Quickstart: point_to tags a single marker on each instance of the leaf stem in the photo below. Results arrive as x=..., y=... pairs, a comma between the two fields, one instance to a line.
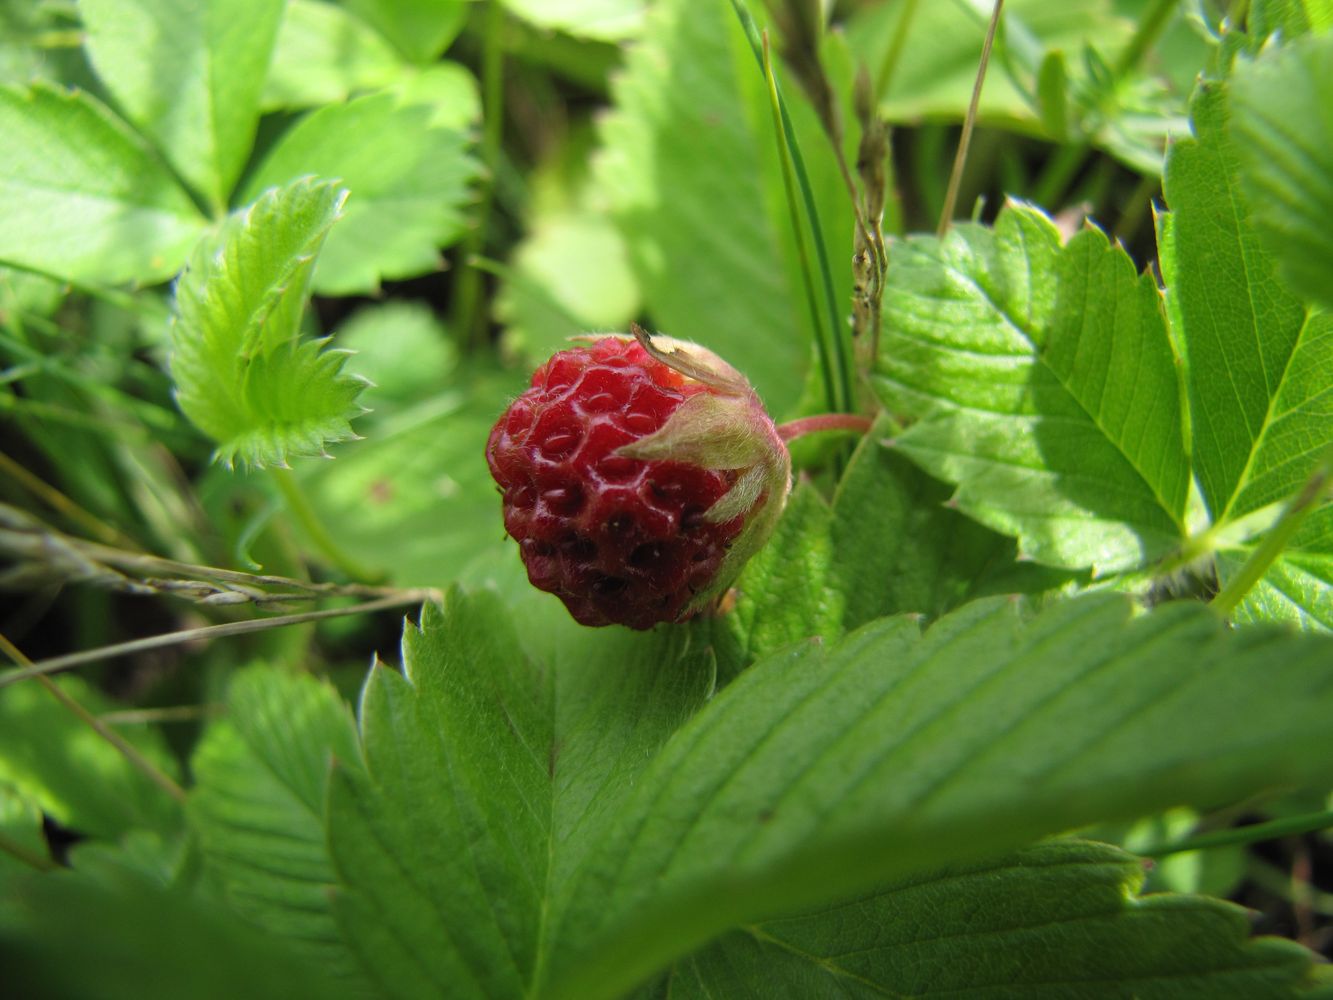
x=854, y=422
x=1276, y=539
x=467, y=305
x=299, y=506
x=126, y=749
x=1252, y=834
x=965, y=140
x=58, y=664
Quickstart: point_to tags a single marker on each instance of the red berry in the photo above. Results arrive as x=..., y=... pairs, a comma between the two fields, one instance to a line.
x=620, y=540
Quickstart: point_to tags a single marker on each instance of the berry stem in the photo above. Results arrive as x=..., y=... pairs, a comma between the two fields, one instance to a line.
x=794, y=429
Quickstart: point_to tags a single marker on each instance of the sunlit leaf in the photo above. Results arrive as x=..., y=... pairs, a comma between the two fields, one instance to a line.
x=407, y=183
x=243, y=374
x=1044, y=386
x=189, y=75
x=1258, y=362
x=116, y=215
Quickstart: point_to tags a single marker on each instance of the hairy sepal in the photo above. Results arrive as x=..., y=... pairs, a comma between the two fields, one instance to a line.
x=727, y=432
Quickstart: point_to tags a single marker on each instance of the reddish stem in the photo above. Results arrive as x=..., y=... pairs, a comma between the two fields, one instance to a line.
x=793, y=429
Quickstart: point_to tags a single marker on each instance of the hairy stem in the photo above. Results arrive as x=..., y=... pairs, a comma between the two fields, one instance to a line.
x=1276, y=538
x=854, y=422
x=300, y=508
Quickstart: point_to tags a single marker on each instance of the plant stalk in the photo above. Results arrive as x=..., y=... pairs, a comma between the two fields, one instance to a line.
x=300, y=508
x=969, y=123
x=853, y=422
x=126, y=749
x=1252, y=834
x=1275, y=539
x=68, y=661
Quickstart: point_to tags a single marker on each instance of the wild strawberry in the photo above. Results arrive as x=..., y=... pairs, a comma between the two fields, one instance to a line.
x=638, y=476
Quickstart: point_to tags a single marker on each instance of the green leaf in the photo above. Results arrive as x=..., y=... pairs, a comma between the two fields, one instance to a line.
x=323, y=54
x=401, y=348
x=1058, y=920
x=407, y=182
x=189, y=76
x=20, y=825
x=1283, y=132
x=415, y=498
x=604, y=20
x=1258, y=362
x=258, y=805
x=1299, y=587
x=1291, y=17
x=71, y=937
x=242, y=374
x=420, y=29
x=690, y=168
x=488, y=774
x=1045, y=388
x=52, y=758
x=82, y=197
x=938, y=61
x=886, y=545
x=818, y=773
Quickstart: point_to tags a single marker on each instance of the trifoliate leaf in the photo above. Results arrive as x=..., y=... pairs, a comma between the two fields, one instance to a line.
x=242, y=373
x=1258, y=362
x=258, y=806
x=1061, y=920
x=1283, y=132
x=407, y=184
x=189, y=75
x=1044, y=386
x=82, y=197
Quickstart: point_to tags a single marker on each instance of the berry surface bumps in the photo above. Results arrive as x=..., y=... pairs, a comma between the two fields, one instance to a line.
x=619, y=540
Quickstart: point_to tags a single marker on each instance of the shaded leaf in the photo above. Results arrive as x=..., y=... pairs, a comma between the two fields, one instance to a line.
x=1258, y=362
x=115, y=214
x=1045, y=388
x=242, y=374
x=1061, y=920
x=448, y=854
x=66, y=936
x=52, y=758
x=407, y=182
x=817, y=773
x=258, y=805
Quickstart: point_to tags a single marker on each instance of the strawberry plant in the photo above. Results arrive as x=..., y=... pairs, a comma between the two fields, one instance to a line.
x=979, y=600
